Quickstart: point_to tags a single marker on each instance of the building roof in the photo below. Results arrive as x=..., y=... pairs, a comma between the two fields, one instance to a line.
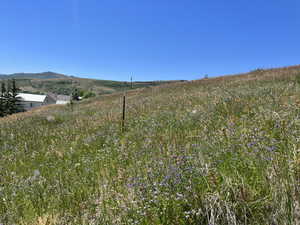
x=31, y=97
x=52, y=95
x=63, y=98
x=60, y=97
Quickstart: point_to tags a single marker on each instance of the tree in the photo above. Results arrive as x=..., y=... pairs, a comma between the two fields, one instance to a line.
x=9, y=104
x=2, y=100
x=75, y=94
x=6, y=98
x=9, y=100
x=15, y=105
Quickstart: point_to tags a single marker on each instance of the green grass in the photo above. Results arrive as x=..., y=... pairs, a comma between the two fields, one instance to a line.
x=216, y=151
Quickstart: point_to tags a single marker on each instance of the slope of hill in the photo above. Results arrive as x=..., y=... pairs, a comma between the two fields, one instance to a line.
x=45, y=75
x=213, y=151
x=62, y=84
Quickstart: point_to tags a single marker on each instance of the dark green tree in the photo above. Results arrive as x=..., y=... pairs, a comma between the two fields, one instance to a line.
x=9, y=101
x=6, y=98
x=15, y=101
x=75, y=94
x=2, y=100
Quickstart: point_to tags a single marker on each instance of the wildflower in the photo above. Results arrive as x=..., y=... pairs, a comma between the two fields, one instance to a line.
x=36, y=173
x=251, y=144
x=271, y=149
x=50, y=118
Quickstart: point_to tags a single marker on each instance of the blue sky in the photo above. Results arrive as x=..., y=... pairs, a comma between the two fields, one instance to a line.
x=149, y=40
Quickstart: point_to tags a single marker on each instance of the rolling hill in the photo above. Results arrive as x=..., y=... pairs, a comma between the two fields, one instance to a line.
x=45, y=75
x=41, y=83
x=222, y=150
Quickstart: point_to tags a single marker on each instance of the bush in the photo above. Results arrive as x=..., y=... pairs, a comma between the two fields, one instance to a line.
x=89, y=94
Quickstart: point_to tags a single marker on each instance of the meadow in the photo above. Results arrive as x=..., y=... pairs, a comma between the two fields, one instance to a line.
x=213, y=151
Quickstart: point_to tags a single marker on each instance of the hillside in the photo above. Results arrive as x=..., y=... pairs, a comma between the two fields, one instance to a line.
x=45, y=75
x=41, y=83
x=223, y=150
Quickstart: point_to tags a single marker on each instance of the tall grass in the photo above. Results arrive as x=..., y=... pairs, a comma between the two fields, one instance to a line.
x=216, y=151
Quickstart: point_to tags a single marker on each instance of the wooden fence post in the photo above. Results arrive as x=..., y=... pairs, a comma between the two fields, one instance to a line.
x=124, y=112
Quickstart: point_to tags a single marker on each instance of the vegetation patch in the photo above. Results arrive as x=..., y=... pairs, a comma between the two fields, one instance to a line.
x=213, y=151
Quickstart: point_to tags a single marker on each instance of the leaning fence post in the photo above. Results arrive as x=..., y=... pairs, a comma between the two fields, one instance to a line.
x=124, y=112
x=71, y=105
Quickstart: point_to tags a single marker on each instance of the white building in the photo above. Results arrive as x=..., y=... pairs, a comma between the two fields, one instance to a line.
x=30, y=101
x=63, y=99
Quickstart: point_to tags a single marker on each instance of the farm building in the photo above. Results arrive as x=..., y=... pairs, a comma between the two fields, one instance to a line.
x=30, y=101
x=60, y=99
x=63, y=99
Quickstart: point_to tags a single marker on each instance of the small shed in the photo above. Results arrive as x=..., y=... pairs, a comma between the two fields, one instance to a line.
x=63, y=99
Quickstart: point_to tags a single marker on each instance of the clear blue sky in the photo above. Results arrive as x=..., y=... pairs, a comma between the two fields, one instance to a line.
x=149, y=39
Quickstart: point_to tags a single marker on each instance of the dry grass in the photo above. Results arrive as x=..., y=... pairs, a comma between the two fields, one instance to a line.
x=213, y=151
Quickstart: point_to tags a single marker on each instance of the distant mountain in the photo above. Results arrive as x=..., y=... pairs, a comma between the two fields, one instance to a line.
x=50, y=82
x=45, y=75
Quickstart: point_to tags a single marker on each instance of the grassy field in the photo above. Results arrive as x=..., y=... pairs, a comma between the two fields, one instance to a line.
x=213, y=151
